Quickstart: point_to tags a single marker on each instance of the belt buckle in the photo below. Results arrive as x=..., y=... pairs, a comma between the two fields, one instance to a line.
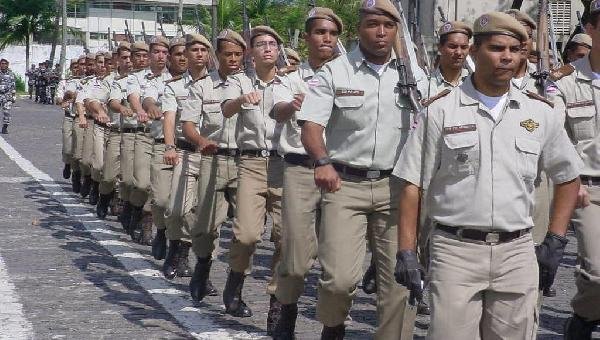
x=231, y=152
x=492, y=238
x=264, y=153
x=373, y=174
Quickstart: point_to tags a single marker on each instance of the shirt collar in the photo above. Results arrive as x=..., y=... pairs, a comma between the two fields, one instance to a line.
x=357, y=58
x=469, y=96
x=584, y=69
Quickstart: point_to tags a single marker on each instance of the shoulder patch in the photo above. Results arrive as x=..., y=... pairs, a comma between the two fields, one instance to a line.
x=562, y=72
x=173, y=79
x=534, y=95
x=430, y=100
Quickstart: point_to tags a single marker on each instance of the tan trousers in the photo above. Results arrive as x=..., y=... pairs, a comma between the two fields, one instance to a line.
x=99, y=144
x=112, y=163
x=260, y=183
x=346, y=215
x=77, y=148
x=88, y=149
x=586, y=221
x=67, y=140
x=481, y=291
x=127, y=155
x=541, y=211
x=218, y=178
x=300, y=215
x=181, y=213
x=161, y=176
x=142, y=162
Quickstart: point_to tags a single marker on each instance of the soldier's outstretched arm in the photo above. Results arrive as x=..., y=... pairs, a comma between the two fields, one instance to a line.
x=326, y=177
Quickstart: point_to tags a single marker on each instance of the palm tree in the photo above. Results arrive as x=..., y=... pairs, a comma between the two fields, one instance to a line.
x=20, y=19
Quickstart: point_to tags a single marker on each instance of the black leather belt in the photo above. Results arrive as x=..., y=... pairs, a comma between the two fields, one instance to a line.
x=185, y=145
x=300, y=160
x=483, y=236
x=68, y=114
x=259, y=153
x=129, y=130
x=144, y=129
x=227, y=152
x=159, y=140
x=362, y=173
x=589, y=180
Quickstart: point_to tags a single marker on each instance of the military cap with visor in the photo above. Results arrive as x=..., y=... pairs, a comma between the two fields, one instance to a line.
x=265, y=30
x=326, y=14
x=455, y=27
x=232, y=36
x=381, y=7
x=196, y=38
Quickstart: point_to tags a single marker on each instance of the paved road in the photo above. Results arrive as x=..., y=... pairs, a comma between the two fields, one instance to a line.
x=66, y=275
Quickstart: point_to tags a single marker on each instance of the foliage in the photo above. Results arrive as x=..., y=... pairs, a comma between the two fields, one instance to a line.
x=21, y=18
x=20, y=83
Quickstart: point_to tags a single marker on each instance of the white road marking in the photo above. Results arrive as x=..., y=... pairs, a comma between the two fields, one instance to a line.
x=13, y=324
x=199, y=324
x=15, y=179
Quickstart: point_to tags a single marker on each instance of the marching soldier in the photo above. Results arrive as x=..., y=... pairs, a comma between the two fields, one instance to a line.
x=31, y=80
x=448, y=156
x=453, y=49
x=137, y=84
x=215, y=139
x=301, y=200
x=579, y=47
x=7, y=93
x=129, y=129
x=353, y=101
x=78, y=131
x=260, y=166
x=65, y=97
x=118, y=114
x=577, y=98
x=170, y=225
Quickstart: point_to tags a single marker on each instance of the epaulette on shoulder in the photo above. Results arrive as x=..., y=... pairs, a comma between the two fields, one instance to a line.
x=430, y=100
x=562, y=72
x=173, y=79
x=534, y=95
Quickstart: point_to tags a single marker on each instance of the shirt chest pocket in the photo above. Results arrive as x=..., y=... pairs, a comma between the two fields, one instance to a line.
x=462, y=155
x=212, y=114
x=352, y=115
x=582, y=121
x=528, y=153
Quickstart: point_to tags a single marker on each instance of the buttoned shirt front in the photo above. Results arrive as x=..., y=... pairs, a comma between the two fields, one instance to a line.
x=255, y=129
x=155, y=89
x=297, y=82
x=578, y=100
x=205, y=98
x=118, y=91
x=100, y=91
x=479, y=172
x=366, y=119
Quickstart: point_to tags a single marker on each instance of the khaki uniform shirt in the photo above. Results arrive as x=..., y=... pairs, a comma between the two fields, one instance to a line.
x=366, y=121
x=290, y=85
x=118, y=91
x=155, y=89
x=86, y=83
x=207, y=93
x=176, y=92
x=437, y=83
x=69, y=85
x=479, y=173
x=255, y=129
x=578, y=100
x=100, y=91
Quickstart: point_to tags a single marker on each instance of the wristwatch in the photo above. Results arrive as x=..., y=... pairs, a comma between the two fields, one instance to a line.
x=170, y=147
x=322, y=161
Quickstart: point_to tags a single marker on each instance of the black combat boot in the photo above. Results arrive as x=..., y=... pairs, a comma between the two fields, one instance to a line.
x=333, y=333
x=145, y=236
x=102, y=207
x=67, y=171
x=232, y=296
x=286, y=326
x=125, y=216
x=576, y=328
x=199, y=282
x=549, y=292
x=159, y=245
x=210, y=289
x=93, y=197
x=5, y=129
x=86, y=186
x=183, y=265
x=171, y=262
x=273, y=315
x=76, y=181
x=369, y=281
x=423, y=308
x=135, y=223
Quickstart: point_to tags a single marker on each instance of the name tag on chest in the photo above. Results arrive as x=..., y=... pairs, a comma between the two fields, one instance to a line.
x=349, y=93
x=580, y=104
x=449, y=130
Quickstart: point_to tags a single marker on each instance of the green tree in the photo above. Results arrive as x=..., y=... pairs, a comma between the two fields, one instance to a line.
x=21, y=19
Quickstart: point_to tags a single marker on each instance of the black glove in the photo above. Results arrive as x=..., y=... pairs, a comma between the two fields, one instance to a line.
x=548, y=255
x=410, y=273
